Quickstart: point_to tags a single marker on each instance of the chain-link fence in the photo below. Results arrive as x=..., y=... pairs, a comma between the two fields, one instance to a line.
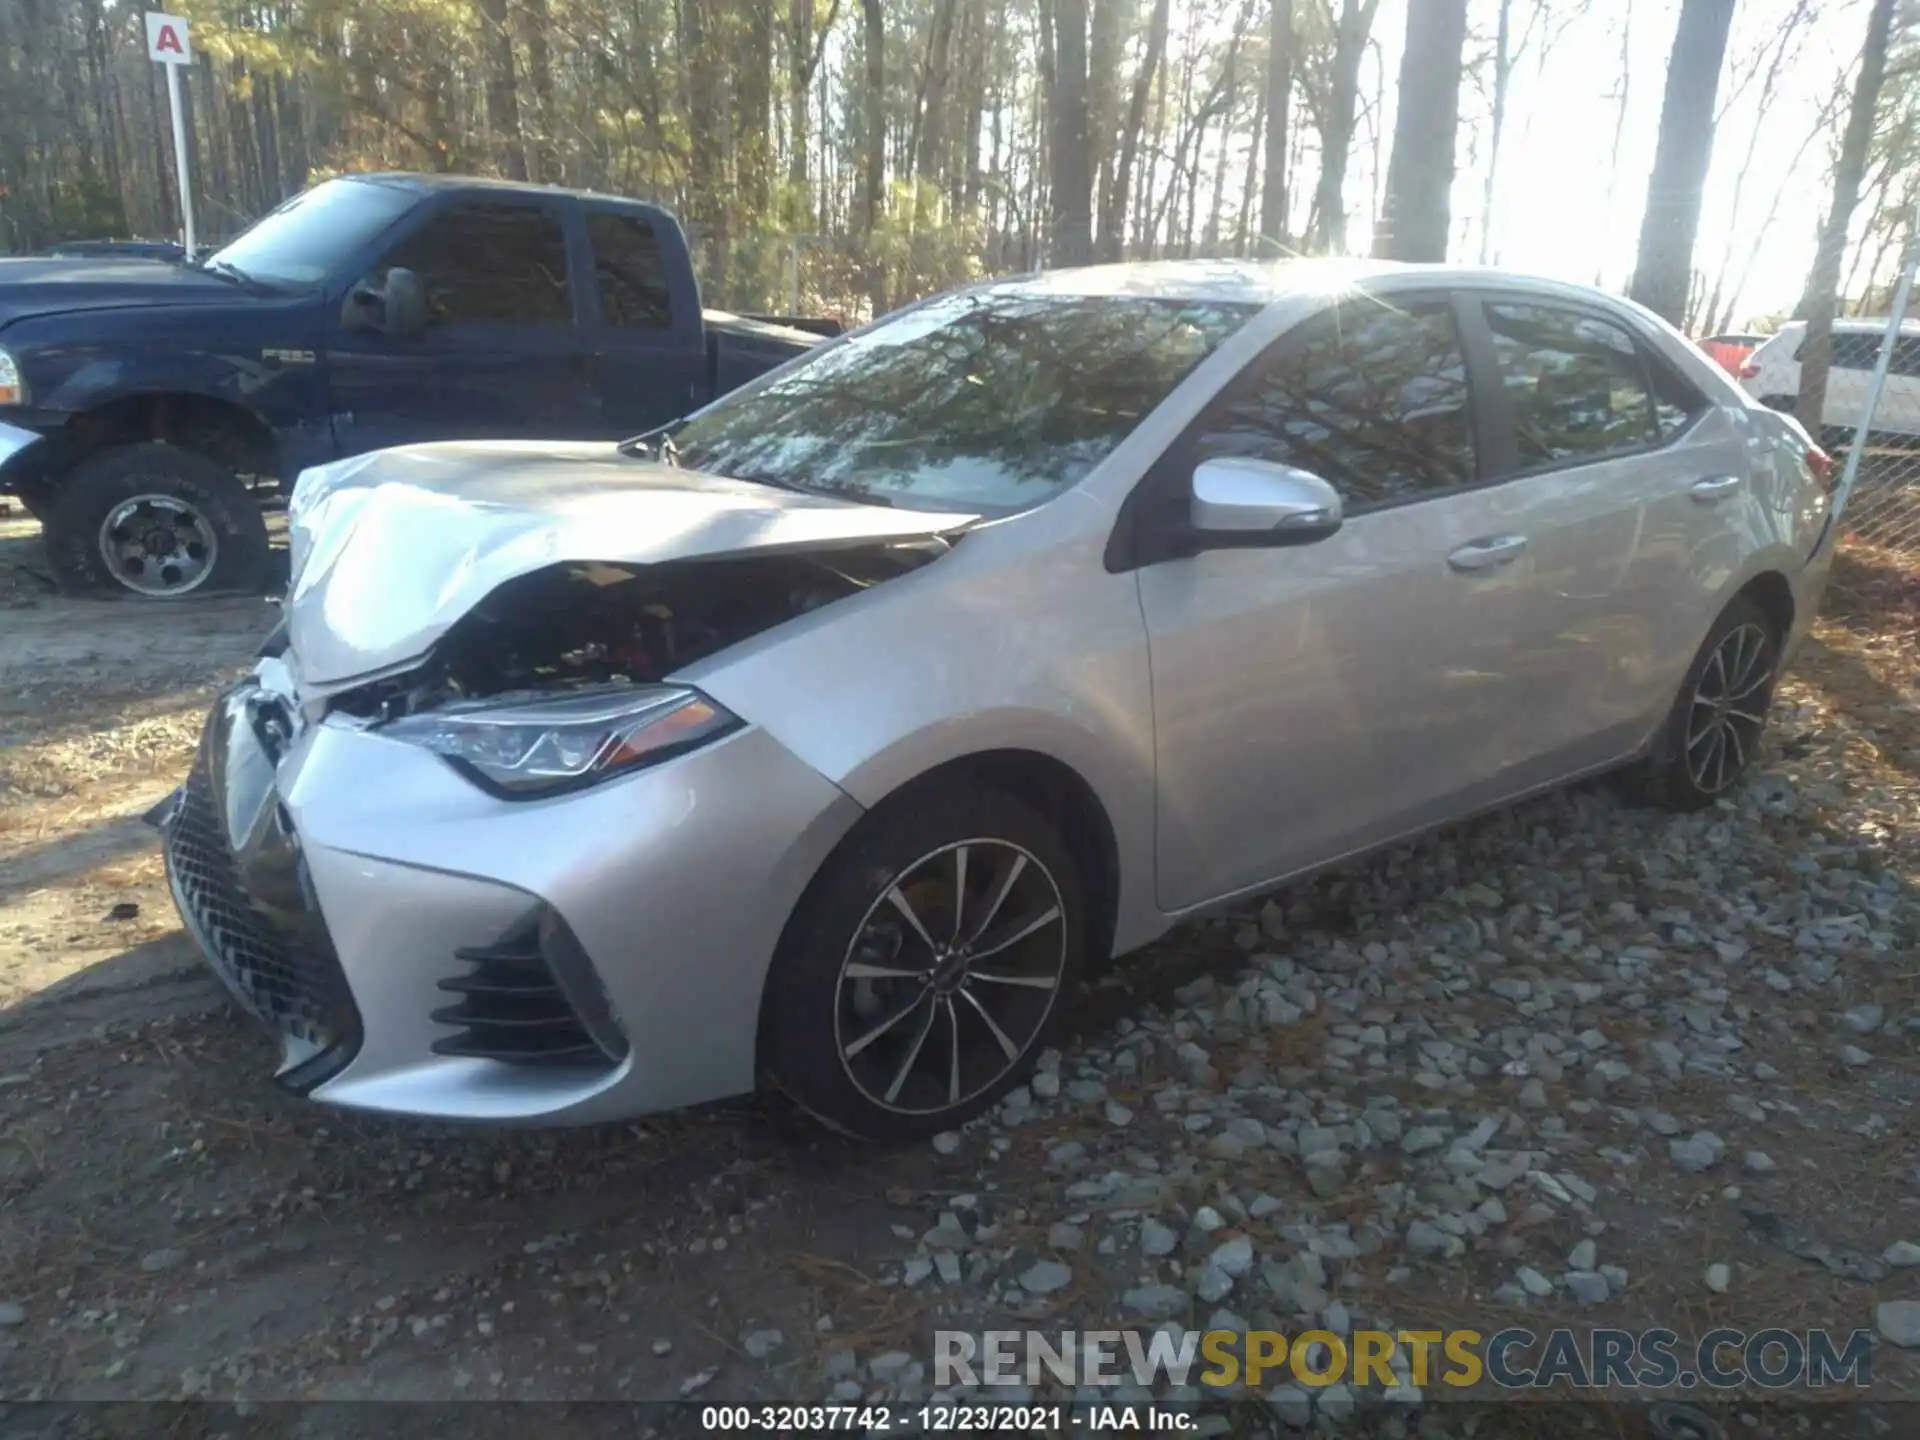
x=1872, y=416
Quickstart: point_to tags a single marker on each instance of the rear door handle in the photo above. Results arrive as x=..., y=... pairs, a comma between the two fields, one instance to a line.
x=1489, y=552
x=1717, y=487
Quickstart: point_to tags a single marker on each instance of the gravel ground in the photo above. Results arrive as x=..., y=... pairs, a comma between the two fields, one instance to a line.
x=1574, y=1064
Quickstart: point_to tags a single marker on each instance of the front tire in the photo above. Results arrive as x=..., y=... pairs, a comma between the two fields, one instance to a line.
x=156, y=522
x=1713, y=731
x=926, y=966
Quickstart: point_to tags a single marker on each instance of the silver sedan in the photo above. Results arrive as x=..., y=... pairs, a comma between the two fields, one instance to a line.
x=825, y=738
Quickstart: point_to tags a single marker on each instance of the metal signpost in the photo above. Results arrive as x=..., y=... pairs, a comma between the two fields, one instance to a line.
x=167, y=44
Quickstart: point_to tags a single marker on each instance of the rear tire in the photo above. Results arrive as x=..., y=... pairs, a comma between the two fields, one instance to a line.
x=890, y=1022
x=157, y=522
x=1714, y=730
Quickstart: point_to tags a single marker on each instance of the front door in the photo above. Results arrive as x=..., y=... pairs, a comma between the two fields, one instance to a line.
x=1315, y=700
x=503, y=355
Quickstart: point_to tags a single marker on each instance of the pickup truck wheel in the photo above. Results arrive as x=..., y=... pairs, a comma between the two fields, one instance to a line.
x=158, y=522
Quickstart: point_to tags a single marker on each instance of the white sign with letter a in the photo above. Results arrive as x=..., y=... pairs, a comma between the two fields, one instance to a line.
x=167, y=39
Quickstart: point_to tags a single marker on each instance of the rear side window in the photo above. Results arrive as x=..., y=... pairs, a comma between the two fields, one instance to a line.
x=1578, y=387
x=1372, y=400
x=490, y=264
x=628, y=272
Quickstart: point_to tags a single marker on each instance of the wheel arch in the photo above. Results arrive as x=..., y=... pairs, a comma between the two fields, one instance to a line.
x=1773, y=593
x=1066, y=801
x=222, y=430
x=1062, y=797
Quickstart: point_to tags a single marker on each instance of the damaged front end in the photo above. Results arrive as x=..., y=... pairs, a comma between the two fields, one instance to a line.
x=559, y=678
x=585, y=627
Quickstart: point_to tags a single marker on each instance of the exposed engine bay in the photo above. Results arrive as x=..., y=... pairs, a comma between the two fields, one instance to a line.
x=588, y=623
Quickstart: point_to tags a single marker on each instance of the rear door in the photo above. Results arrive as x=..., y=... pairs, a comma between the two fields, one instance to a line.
x=647, y=340
x=504, y=354
x=1626, y=483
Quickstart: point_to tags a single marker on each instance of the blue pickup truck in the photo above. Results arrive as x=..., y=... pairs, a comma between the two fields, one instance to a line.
x=147, y=408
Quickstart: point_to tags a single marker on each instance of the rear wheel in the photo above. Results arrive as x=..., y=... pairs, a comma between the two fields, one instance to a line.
x=926, y=966
x=155, y=521
x=1713, y=731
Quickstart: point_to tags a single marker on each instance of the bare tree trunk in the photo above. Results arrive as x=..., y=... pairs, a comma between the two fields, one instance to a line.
x=799, y=80
x=544, y=147
x=503, y=106
x=1113, y=223
x=1069, y=174
x=1663, y=271
x=1817, y=305
x=753, y=108
x=1279, y=98
x=707, y=140
x=1502, y=78
x=874, y=36
x=1250, y=181
x=1336, y=126
x=1416, y=218
x=1103, y=103
x=1230, y=87
x=930, y=164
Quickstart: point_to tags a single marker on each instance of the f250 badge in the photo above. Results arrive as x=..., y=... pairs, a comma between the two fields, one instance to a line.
x=288, y=357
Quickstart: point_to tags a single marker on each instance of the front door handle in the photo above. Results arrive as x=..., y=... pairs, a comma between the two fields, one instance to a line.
x=1489, y=552
x=1717, y=487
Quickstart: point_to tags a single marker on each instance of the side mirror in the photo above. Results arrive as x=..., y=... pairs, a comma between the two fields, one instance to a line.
x=406, y=304
x=399, y=308
x=1259, y=503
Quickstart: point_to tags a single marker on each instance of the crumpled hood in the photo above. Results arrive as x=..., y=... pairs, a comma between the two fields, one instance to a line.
x=49, y=286
x=390, y=549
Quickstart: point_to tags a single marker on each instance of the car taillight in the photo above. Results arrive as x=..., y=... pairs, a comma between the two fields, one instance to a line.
x=1821, y=464
x=1748, y=370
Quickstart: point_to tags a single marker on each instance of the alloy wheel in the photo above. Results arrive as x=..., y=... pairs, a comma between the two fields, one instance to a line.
x=950, y=976
x=158, y=545
x=1728, y=708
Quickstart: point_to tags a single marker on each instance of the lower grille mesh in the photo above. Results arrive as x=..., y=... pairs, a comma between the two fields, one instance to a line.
x=283, y=982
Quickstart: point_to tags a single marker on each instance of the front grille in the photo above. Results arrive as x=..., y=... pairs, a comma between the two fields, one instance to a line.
x=288, y=980
x=531, y=998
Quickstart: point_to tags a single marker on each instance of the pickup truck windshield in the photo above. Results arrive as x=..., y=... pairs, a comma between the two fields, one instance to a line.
x=987, y=401
x=305, y=240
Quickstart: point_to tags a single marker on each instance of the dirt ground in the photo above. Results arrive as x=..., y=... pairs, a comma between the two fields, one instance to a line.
x=173, y=1227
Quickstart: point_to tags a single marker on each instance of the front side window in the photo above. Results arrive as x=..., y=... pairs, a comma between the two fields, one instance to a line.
x=1577, y=384
x=628, y=272
x=489, y=264
x=1373, y=399
x=308, y=238
x=987, y=401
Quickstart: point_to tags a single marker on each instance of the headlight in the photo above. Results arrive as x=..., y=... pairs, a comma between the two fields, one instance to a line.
x=537, y=747
x=13, y=390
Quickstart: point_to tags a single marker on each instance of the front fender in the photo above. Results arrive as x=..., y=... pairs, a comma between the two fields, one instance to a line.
x=269, y=362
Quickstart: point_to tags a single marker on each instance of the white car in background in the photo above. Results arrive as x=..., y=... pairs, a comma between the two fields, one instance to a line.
x=1772, y=375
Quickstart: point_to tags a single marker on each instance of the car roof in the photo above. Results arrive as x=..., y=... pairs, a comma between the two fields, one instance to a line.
x=1263, y=282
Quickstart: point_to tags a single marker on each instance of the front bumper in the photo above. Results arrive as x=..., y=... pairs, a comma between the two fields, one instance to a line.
x=648, y=908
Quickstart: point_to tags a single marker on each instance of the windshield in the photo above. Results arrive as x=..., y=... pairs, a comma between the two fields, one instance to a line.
x=987, y=402
x=309, y=237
